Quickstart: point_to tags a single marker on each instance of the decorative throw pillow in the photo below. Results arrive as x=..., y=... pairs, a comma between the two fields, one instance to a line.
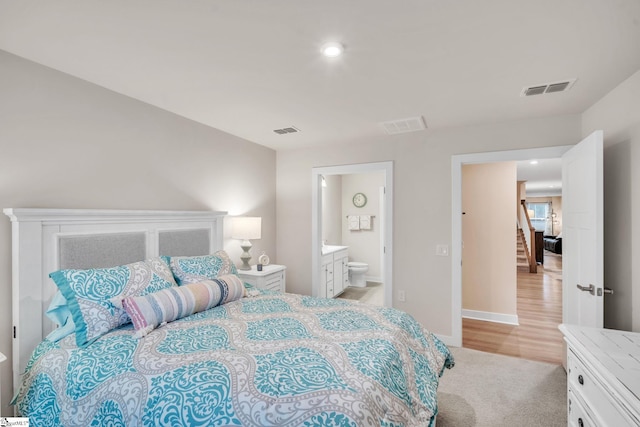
x=149, y=311
x=195, y=269
x=89, y=293
x=60, y=314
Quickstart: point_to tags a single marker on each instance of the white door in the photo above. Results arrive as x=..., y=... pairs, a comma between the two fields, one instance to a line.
x=582, y=233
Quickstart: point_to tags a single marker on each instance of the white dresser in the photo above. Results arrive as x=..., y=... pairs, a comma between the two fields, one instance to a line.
x=603, y=377
x=271, y=277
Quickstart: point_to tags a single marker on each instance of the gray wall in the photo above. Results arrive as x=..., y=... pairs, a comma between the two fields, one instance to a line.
x=422, y=205
x=618, y=114
x=66, y=143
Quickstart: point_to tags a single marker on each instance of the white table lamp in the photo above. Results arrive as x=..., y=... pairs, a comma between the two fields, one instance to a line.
x=246, y=228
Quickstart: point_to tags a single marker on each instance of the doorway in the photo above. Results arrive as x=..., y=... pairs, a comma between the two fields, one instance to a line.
x=383, y=222
x=510, y=307
x=456, y=220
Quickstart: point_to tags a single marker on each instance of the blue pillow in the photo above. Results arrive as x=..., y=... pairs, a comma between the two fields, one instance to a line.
x=58, y=310
x=89, y=294
x=194, y=269
x=60, y=314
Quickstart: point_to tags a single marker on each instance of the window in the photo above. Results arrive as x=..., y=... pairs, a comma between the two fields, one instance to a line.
x=539, y=215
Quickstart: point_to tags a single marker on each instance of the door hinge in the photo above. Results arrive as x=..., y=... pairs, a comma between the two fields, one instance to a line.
x=14, y=331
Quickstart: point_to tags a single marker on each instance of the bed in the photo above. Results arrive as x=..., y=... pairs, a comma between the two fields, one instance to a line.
x=259, y=358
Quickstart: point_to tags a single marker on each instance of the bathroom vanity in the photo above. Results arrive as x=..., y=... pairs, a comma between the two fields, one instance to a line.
x=334, y=272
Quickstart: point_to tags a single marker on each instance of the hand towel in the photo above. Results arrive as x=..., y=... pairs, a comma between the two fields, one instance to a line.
x=365, y=222
x=354, y=222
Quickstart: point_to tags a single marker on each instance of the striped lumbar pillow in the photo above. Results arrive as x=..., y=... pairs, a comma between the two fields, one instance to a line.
x=149, y=311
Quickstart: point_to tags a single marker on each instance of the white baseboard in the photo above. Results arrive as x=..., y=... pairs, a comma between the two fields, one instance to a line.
x=373, y=279
x=509, y=319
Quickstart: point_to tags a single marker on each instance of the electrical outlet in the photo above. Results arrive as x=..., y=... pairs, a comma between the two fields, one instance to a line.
x=442, y=250
x=401, y=296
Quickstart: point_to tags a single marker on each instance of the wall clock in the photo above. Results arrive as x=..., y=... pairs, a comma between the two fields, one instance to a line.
x=359, y=200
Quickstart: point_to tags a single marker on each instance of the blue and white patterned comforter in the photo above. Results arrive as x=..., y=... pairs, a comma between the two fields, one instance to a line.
x=270, y=360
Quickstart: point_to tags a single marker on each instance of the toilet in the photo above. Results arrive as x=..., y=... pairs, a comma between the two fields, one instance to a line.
x=356, y=273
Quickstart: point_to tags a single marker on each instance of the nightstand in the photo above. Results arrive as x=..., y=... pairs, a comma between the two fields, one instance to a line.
x=271, y=277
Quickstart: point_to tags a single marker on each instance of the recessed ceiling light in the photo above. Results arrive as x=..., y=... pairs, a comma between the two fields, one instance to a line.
x=533, y=162
x=332, y=49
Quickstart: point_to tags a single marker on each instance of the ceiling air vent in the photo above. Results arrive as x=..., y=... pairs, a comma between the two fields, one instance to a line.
x=284, y=131
x=536, y=90
x=548, y=88
x=411, y=124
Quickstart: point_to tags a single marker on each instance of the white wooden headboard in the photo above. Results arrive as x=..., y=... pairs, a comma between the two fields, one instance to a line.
x=45, y=240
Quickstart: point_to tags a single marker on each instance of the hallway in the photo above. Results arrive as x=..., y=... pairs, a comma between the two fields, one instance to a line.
x=539, y=314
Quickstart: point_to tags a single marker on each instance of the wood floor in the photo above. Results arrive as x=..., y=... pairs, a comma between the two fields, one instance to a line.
x=539, y=314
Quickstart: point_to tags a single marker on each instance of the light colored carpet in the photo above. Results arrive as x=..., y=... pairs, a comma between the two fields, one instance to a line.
x=485, y=389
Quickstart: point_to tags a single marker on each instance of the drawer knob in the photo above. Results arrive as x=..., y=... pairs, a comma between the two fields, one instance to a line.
x=580, y=422
x=580, y=380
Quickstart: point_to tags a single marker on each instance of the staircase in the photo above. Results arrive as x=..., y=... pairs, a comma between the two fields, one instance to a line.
x=526, y=237
x=522, y=262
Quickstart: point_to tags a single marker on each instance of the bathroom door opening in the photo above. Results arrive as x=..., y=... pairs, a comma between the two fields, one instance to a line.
x=382, y=221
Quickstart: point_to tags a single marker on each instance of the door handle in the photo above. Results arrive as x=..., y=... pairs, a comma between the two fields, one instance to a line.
x=591, y=289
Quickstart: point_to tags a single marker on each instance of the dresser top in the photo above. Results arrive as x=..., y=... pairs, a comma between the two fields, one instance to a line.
x=266, y=269
x=618, y=353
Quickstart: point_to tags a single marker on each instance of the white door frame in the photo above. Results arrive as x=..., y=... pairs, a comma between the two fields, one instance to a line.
x=456, y=217
x=316, y=223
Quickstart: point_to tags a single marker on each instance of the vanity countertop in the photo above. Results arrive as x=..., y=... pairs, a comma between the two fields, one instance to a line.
x=329, y=249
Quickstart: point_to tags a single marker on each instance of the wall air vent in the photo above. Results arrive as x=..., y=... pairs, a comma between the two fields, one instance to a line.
x=411, y=124
x=548, y=88
x=285, y=131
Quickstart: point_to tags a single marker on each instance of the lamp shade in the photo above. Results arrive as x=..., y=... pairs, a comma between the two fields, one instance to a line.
x=246, y=227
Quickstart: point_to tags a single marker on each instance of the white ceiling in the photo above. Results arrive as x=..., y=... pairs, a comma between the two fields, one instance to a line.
x=543, y=179
x=248, y=67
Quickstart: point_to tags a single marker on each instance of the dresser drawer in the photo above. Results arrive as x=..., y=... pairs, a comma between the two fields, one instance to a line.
x=578, y=416
x=589, y=391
